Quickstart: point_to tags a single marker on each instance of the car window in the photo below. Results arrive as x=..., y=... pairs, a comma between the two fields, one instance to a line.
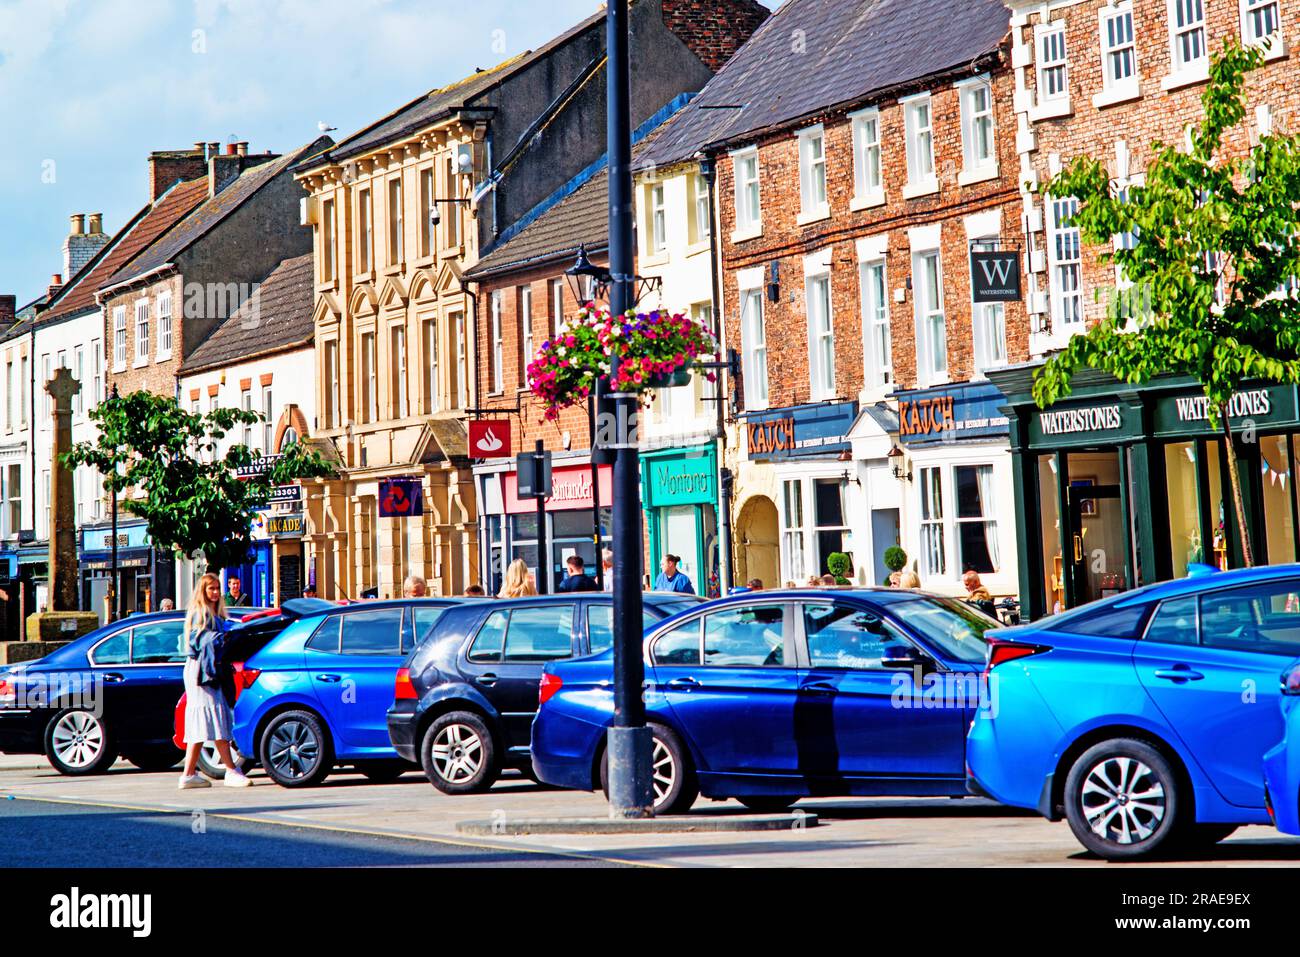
x=681, y=646
x=490, y=637
x=1263, y=617
x=1174, y=622
x=842, y=636
x=115, y=650
x=327, y=636
x=540, y=633
x=953, y=628
x=1104, y=622
x=751, y=637
x=158, y=643
x=424, y=617
x=377, y=632
x=600, y=625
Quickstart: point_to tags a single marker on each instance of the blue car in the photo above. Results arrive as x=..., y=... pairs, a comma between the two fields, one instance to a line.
x=1282, y=763
x=316, y=696
x=1142, y=718
x=771, y=696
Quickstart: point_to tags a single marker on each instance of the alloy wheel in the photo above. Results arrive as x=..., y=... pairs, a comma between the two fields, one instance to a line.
x=294, y=750
x=1123, y=800
x=457, y=753
x=663, y=770
x=78, y=739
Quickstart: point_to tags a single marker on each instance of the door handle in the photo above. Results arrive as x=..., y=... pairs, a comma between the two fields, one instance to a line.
x=488, y=679
x=329, y=679
x=114, y=677
x=1179, y=673
x=682, y=684
x=818, y=687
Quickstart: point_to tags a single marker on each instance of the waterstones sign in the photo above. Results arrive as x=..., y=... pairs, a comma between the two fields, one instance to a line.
x=1101, y=418
x=1265, y=406
x=1196, y=408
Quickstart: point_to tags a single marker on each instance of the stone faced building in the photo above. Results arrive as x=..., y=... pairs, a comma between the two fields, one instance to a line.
x=855, y=168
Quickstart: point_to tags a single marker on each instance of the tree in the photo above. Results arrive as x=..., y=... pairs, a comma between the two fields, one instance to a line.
x=1215, y=258
x=192, y=498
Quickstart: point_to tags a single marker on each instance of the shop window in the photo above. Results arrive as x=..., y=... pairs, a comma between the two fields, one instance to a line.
x=792, y=530
x=829, y=516
x=1278, y=498
x=496, y=545
x=1220, y=555
x=977, y=526
x=933, y=554
x=1186, y=546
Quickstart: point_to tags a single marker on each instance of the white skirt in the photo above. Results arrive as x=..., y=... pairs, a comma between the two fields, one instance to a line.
x=207, y=716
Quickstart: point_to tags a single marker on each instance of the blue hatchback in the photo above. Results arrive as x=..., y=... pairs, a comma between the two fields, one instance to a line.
x=773, y=696
x=1143, y=718
x=316, y=696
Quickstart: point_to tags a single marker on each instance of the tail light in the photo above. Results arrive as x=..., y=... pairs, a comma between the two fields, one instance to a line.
x=1290, y=681
x=550, y=684
x=404, y=690
x=244, y=678
x=8, y=694
x=1000, y=652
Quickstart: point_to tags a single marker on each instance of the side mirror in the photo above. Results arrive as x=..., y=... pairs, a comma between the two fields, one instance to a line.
x=904, y=657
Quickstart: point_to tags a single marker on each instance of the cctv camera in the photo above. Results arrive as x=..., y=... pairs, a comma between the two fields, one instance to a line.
x=435, y=215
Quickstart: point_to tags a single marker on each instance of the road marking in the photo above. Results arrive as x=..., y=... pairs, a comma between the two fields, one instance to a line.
x=392, y=835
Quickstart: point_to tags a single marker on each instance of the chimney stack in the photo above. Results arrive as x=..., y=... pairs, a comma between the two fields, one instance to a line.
x=81, y=245
x=8, y=310
x=56, y=283
x=214, y=149
x=167, y=167
x=224, y=170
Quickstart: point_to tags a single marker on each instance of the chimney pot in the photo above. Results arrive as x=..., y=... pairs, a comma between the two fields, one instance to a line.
x=199, y=148
x=242, y=148
x=96, y=226
x=214, y=149
x=78, y=221
x=231, y=149
x=56, y=280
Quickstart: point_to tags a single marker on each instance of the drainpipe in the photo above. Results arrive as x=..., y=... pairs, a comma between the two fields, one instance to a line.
x=726, y=578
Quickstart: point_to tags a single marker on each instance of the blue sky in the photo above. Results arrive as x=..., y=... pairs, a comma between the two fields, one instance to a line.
x=89, y=87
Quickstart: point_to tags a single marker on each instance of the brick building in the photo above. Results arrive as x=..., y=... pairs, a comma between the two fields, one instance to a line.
x=1107, y=79
x=859, y=155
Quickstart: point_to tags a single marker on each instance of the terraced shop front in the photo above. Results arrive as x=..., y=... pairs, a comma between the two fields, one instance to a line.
x=1119, y=485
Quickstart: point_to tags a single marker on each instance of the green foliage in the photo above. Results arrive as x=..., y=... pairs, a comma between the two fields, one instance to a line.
x=164, y=461
x=838, y=564
x=1215, y=240
x=895, y=558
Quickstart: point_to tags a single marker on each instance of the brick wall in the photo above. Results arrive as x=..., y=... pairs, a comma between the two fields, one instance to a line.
x=153, y=376
x=713, y=30
x=786, y=242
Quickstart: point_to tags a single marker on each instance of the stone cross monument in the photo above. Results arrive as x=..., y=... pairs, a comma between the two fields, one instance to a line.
x=63, y=510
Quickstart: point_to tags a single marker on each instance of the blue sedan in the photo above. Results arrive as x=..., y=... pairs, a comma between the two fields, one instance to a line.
x=1282, y=763
x=1143, y=718
x=768, y=697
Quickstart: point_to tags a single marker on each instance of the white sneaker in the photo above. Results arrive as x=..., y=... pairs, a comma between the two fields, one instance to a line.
x=192, y=781
x=236, y=779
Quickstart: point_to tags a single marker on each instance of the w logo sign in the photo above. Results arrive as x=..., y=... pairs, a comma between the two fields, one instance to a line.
x=995, y=276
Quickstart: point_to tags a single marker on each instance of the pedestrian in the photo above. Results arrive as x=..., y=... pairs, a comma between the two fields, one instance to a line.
x=755, y=584
x=309, y=591
x=814, y=581
x=518, y=583
x=828, y=580
x=576, y=579
x=415, y=587
x=977, y=594
x=893, y=579
x=607, y=568
x=909, y=580
x=475, y=591
x=207, y=712
x=166, y=605
x=671, y=579
x=791, y=584
x=235, y=596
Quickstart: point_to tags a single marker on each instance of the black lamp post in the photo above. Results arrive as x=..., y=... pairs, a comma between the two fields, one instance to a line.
x=114, y=591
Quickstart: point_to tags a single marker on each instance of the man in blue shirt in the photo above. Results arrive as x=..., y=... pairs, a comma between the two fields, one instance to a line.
x=670, y=579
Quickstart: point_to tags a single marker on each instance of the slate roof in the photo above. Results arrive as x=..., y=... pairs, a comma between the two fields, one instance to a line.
x=442, y=102
x=280, y=317
x=144, y=229
x=853, y=50
x=212, y=213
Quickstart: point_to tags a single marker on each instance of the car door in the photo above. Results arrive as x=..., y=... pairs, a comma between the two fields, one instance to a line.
x=153, y=683
x=729, y=678
x=1210, y=663
x=600, y=626
x=858, y=716
x=506, y=657
x=354, y=683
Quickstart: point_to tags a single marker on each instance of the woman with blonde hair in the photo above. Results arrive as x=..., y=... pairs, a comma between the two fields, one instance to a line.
x=207, y=714
x=518, y=582
x=909, y=580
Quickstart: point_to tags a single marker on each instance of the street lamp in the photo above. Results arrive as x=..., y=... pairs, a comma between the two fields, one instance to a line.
x=114, y=592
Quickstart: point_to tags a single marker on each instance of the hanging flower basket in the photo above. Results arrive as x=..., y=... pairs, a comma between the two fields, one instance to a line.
x=655, y=350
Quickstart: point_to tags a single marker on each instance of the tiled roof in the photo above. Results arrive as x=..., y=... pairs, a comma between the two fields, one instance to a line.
x=211, y=213
x=278, y=317
x=440, y=103
x=850, y=50
x=144, y=229
x=15, y=330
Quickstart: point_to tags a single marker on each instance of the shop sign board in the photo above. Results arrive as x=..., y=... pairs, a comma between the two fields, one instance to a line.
x=805, y=431
x=950, y=413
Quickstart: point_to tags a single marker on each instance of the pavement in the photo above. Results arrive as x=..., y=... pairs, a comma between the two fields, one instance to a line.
x=883, y=832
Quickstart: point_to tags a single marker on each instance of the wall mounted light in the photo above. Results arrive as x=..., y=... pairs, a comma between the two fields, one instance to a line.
x=896, y=456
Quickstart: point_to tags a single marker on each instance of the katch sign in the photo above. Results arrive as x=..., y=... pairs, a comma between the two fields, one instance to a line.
x=489, y=439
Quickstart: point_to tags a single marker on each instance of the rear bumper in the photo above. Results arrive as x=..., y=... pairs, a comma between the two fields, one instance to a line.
x=401, y=732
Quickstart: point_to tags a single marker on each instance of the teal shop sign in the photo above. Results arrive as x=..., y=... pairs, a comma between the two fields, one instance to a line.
x=681, y=479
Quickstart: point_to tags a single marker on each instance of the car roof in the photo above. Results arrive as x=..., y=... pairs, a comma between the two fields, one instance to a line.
x=316, y=607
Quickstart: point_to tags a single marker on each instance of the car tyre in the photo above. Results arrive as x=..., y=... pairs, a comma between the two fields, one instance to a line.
x=675, y=784
x=295, y=750
x=767, y=803
x=459, y=754
x=383, y=772
x=78, y=742
x=161, y=758
x=1123, y=800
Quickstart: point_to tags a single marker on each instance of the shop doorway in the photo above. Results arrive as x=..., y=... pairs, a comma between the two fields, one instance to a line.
x=757, y=535
x=1096, y=536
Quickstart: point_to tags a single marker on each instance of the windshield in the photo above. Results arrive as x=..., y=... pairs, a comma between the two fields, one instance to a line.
x=953, y=628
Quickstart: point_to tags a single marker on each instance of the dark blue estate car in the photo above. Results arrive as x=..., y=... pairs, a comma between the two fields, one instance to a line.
x=466, y=698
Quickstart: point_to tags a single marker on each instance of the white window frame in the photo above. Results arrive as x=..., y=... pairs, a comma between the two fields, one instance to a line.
x=988, y=322
x=329, y=237
x=794, y=531
x=498, y=344
x=9, y=394
x=370, y=375
x=394, y=201
x=877, y=338
x=1064, y=320
x=977, y=169
x=141, y=341
x=79, y=371
x=97, y=369
x=753, y=338
x=527, y=335
x=749, y=222
x=462, y=365
x=365, y=230
x=931, y=478
x=922, y=170
x=821, y=367
x=929, y=373
x=1197, y=69
x=46, y=371
x=268, y=421
x=1117, y=89
x=429, y=343
x=1274, y=43
x=868, y=160
x=163, y=305
x=656, y=233
x=703, y=209
x=1053, y=99
x=401, y=400
x=246, y=403
x=814, y=188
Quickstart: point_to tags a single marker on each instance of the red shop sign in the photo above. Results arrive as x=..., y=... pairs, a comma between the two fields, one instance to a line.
x=572, y=490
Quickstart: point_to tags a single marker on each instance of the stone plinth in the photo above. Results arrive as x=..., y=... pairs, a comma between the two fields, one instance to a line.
x=14, y=652
x=60, y=626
